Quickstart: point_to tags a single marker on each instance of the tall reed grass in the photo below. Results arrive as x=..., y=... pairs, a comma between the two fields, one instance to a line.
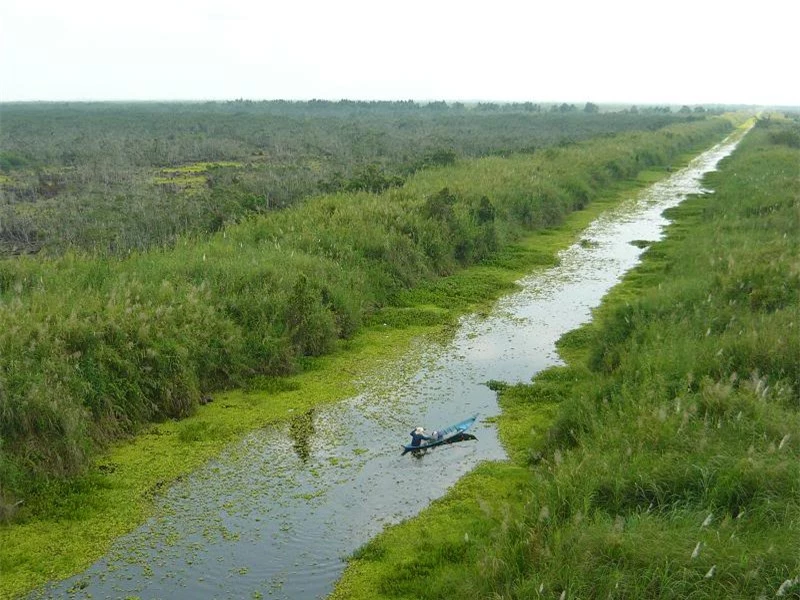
x=672, y=469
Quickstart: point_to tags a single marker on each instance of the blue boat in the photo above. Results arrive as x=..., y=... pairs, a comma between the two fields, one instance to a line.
x=448, y=435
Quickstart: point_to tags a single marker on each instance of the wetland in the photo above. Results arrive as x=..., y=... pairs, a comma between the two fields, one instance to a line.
x=277, y=514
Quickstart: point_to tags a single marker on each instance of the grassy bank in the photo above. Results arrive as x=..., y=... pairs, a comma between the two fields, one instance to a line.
x=74, y=518
x=662, y=461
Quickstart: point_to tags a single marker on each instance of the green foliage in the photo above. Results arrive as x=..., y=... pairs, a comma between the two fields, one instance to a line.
x=439, y=207
x=11, y=160
x=311, y=327
x=788, y=137
x=93, y=348
x=440, y=157
x=781, y=129
x=563, y=107
x=372, y=179
x=485, y=212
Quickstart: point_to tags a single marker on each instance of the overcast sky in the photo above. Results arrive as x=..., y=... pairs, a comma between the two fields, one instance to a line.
x=630, y=51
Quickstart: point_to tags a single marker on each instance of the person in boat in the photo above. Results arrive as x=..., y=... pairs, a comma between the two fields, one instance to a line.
x=418, y=436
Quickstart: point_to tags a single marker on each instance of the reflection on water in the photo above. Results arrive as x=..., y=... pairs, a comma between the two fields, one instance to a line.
x=275, y=516
x=301, y=429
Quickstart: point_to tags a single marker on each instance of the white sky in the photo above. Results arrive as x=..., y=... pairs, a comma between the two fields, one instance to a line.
x=631, y=51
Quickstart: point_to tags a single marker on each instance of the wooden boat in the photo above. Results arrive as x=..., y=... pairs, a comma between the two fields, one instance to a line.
x=448, y=435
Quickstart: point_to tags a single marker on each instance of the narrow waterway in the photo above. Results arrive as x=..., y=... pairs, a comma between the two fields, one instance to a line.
x=275, y=516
